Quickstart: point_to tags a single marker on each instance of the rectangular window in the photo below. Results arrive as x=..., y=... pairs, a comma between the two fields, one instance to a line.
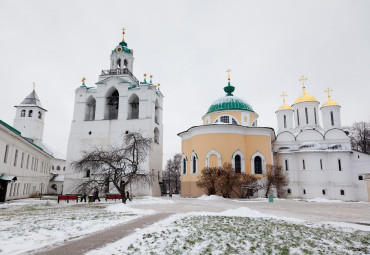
x=304, y=165
x=314, y=112
x=305, y=109
x=22, y=159
x=6, y=153
x=342, y=192
x=225, y=119
x=28, y=161
x=332, y=118
x=298, y=117
x=33, y=163
x=284, y=121
x=321, y=164
x=339, y=165
x=286, y=165
x=360, y=178
x=15, y=157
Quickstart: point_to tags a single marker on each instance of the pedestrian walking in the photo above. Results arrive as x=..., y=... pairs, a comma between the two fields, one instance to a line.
x=83, y=196
x=96, y=195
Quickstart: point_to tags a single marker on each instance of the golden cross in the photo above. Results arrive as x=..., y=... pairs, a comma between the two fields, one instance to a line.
x=144, y=74
x=328, y=90
x=123, y=34
x=228, y=74
x=83, y=80
x=283, y=96
x=34, y=86
x=303, y=79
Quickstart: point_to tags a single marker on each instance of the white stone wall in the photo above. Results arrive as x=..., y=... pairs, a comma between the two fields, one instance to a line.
x=31, y=178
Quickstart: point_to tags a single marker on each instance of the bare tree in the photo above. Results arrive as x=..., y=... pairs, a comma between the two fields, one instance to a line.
x=172, y=174
x=208, y=179
x=228, y=180
x=117, y=165
x=275, y=178
x=248, y=182
x=359, y=134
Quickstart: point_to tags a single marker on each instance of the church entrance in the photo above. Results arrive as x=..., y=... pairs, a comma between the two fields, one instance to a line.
x=3, y=188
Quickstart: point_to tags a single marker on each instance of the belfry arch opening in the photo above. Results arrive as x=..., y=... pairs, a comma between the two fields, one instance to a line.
x=90, y=108
x=118, y=63
x=112, y=104
x=133, y=107
x=156, y=118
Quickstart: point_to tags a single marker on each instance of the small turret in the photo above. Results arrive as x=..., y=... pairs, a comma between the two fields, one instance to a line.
x=284, y=116
x=122, y=57
x=330, y=113
x=29, y=118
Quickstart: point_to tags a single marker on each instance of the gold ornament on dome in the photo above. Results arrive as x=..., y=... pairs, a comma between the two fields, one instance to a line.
x=306, y=97
x=329, y=102
x=123, y=34
x=284, y=106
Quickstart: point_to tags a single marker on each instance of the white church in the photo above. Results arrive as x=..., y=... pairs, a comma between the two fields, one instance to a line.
x=318, y=157
x=118, y=104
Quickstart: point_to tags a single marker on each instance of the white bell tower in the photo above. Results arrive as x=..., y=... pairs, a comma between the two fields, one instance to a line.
x=29, y=118
x=122, y=57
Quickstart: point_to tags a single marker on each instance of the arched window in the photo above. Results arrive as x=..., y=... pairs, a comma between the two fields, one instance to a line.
x=225, y=119
x=238, y=164
x=257, y=165
x=90, y=108
x=213, y=159
x=332, y=118
x=194, y=163
x=30, y=113
x=125, y=64
x=298, y=117
x=58, y=167
x=133, y=107
x=87, y=173
x=156, y=135
x=23, y=113
x=156, y=118
x=314, y=111
x=183, y=166
x=112, y=100
x=52, y=167
x=39, y=115
x=119, y=63
x=64, y=168
x=284, y=121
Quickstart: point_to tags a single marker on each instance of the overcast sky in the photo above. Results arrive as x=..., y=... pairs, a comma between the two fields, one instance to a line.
x=187, y=46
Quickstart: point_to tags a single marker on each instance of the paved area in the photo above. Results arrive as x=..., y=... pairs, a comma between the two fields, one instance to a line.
x=101, y=238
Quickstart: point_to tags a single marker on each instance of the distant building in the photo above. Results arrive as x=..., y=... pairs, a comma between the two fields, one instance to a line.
x=26, y=163
x=117, y=105
x=318, y=160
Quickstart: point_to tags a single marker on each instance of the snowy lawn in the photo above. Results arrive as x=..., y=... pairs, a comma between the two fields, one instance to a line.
x=29, y=224
x=240, y=231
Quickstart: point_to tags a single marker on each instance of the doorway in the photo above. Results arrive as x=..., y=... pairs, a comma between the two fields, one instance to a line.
x=3, y=188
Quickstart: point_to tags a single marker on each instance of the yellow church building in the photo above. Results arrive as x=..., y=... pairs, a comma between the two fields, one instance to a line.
x=229, y=134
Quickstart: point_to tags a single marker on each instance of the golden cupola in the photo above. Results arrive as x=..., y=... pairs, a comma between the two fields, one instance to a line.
x=329, y=102
x=305, y=97
x=284, y=106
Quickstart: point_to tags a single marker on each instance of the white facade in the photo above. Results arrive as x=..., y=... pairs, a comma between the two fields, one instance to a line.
x=104, y=114
x=26, y=163
x=319, y=160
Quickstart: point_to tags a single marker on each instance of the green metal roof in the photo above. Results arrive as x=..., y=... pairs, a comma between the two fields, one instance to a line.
x=229, y=102
x=10, y=127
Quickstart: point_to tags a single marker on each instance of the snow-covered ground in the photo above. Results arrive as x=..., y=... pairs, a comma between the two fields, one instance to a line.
x=29, y=224
x=240, y=231
x=205, y=225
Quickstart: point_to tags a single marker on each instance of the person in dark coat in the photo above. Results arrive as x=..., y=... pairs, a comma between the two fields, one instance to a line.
x=96, y=195
x=83, y=196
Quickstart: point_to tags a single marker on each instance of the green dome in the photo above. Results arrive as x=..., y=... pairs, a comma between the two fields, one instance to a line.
x=229, y=103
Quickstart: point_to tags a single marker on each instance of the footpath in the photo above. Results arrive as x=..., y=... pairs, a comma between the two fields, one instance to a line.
x=102, y=238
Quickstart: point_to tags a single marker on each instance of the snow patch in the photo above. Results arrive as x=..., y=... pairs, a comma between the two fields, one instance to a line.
x=211, y=197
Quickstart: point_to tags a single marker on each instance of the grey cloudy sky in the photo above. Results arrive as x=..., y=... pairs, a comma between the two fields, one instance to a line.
x=187, y=46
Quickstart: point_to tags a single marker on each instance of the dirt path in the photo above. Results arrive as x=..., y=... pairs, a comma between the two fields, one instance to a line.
x=101, y=238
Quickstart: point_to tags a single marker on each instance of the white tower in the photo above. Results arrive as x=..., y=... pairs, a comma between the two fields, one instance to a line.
x=330, y=113
x=117, y=105
x=284, y=116
x=306, y=109
x=29, y=118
